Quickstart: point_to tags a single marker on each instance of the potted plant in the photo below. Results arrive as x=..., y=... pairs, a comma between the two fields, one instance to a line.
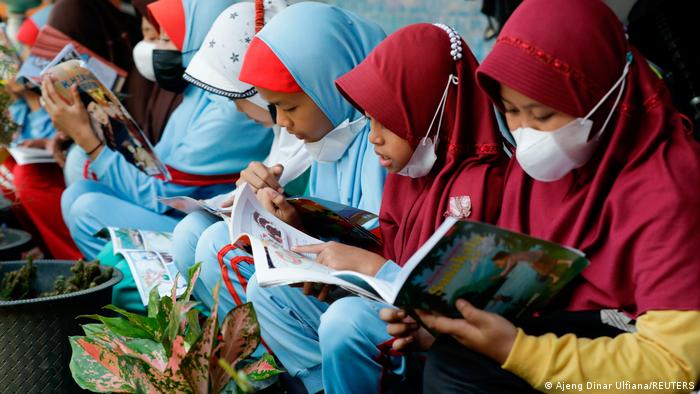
x=39, y=303
x=169, y=351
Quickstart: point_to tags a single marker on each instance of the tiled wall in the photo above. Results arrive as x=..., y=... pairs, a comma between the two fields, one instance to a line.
x=463, y=15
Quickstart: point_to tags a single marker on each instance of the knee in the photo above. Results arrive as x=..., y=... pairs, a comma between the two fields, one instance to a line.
x=185, y=237
x=84, y=207
x=341, y=325
x=210, y=243
x=72, y=193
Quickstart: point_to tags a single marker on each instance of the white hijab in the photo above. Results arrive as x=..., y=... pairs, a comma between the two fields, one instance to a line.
x=217, y=65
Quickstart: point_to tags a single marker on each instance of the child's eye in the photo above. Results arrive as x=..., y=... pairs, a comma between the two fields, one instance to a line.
x=290, y=109
x=511, y=111
x=544, y=118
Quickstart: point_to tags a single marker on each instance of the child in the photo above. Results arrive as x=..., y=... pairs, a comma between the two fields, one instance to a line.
x=282, y=59
x=603, y=163
x=199, y=164
x=212, y=69
x=436, y=134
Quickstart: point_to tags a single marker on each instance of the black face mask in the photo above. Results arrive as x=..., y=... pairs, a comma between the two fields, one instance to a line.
x=273, y=112
x=167, y=65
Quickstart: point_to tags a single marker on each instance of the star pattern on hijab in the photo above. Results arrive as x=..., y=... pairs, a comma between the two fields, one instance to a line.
x=212, y=43
x=234, y=15
x=234, y=57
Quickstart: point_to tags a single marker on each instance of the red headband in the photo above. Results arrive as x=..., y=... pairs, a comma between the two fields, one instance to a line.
x=262, y=68
x=169, y=16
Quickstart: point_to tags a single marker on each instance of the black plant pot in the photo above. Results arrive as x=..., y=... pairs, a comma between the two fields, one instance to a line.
x=34, y=348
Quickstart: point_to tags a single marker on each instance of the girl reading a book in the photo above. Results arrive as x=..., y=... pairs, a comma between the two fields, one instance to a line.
x=104, y=30
x=436, y=134
x=199, y=165
x=213, y=69
x=604, y=163
x=283, y=63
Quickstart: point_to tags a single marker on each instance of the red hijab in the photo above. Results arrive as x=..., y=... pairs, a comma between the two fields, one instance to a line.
x=401, y=84
x=633, y=208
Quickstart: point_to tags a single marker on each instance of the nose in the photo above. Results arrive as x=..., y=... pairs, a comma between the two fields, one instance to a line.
x=283, y=120
x=374, y=138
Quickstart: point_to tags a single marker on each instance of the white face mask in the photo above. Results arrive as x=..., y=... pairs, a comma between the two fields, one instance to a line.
x=424, y=157
x=143, y=59
x=548, y=156
x=331, y=147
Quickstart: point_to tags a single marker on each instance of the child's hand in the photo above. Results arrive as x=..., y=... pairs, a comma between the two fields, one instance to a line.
x=55, y=146
x=275, y=203
x=344, y=257
x=408, y=333
x=484, y=332
x=258, y=176
x=69, y=116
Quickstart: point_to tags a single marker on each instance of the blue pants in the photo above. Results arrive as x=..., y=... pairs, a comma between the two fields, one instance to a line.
x=201, y=237
x=339, y=348
x=89, y=206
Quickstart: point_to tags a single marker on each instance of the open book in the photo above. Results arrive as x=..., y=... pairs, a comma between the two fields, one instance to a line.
x=188, y=204
x=148, y=254
x=495, y=269
x=54, y=47
x=24, y=155
x=111, y=122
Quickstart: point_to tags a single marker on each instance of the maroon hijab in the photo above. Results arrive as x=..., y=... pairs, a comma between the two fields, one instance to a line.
x=633, y=208
x=401, y=84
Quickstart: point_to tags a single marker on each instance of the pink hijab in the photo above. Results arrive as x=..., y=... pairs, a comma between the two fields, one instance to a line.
x=633, y=208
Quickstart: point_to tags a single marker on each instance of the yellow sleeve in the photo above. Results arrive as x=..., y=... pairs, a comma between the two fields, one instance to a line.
x=664, y=354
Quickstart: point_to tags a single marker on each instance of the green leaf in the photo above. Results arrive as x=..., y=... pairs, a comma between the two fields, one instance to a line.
x=149, y=380
x=192, y=275
x=153, y=302
x=238, y=376
x=195, y=365
x=95, y=367
x=193, y=328
x=120, y=326
x=262, y=369
x=147, y=324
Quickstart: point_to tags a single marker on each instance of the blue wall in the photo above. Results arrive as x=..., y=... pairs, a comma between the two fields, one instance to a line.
x=463, y=15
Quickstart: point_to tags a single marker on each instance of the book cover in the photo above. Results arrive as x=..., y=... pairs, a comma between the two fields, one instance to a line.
x=110, y=121
x=497, y=270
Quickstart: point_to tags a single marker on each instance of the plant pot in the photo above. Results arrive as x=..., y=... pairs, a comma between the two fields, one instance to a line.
x=34, y=348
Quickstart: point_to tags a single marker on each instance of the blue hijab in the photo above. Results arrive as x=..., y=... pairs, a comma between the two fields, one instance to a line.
x=318, y=43
x=206, y=135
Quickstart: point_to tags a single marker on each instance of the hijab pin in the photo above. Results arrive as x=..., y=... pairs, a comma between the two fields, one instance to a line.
x=455, y=41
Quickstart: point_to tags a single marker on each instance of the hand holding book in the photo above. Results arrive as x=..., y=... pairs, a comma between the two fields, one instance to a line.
x=69, y=115
x=484, y=332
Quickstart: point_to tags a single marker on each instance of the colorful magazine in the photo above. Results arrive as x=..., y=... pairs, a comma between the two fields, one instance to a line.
x=149, y=255
x=111, y=122
x=501, y=271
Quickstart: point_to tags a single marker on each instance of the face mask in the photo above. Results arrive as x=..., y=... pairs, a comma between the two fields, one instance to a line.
x=423, y=158
x=331, y=147
x=167, y=65
x=549, y=155
x=143, y=58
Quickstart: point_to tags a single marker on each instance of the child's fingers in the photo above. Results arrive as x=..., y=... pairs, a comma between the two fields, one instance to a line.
x=323, y=294
x=315, y=249
x=402, y=343
x=391, y=315
x=74, y=95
